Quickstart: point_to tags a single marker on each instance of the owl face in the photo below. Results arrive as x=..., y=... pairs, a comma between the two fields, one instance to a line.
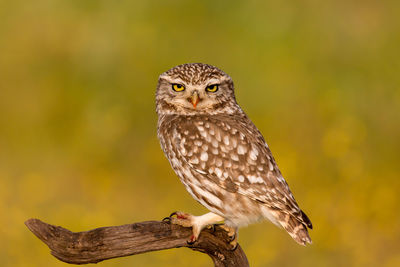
x=194, y=88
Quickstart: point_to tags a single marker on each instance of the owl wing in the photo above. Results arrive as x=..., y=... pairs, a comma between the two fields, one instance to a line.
x=232, y=153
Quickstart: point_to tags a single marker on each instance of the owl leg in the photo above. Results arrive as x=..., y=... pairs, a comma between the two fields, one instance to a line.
x=197, y=223
x=232, y=233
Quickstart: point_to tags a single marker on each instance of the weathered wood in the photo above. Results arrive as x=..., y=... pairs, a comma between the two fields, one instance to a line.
x=130, y=239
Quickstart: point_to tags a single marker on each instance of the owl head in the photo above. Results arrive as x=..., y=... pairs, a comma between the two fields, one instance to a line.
x=195, y=88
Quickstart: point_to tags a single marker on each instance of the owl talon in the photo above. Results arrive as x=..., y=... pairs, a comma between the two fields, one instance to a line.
x=211, y=227
x=192, y=240
x=167, y=219
x=233, y=245
x=232, y=238
x=172, y=214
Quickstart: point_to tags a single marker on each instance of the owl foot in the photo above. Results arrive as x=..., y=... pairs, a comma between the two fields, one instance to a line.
x=197, y=223
x=181, y=218
x=187, y=220
x=232, y=234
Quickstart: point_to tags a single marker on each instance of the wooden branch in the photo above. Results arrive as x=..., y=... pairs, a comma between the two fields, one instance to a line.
x=130, y=239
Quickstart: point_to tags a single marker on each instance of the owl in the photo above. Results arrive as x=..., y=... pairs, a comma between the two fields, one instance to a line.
x=220, y=156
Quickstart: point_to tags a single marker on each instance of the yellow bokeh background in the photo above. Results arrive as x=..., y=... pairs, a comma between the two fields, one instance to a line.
x=78, y=144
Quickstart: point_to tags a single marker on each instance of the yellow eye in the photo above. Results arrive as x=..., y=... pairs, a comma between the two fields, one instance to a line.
x=212, y=88
x=178, y=87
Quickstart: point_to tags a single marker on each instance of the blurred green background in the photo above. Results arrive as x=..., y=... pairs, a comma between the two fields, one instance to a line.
x=78, y=144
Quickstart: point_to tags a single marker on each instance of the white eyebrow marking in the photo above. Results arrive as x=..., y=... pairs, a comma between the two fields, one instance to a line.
x=176, y=80
x=213, y=81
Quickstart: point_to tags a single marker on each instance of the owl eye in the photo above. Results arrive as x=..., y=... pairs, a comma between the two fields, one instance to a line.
x=212, y=88
x=178, y=87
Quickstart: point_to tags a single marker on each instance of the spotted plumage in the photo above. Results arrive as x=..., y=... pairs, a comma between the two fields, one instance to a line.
x=219, y=154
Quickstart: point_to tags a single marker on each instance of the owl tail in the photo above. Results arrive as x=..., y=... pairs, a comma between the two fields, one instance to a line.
x=297, y=227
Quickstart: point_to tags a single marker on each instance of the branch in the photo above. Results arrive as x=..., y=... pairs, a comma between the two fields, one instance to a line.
x=118, y=241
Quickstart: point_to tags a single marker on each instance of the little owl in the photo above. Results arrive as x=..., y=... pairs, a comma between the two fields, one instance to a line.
x=220, y=156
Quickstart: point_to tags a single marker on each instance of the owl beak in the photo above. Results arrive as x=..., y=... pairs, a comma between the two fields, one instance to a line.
x=194, y=98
